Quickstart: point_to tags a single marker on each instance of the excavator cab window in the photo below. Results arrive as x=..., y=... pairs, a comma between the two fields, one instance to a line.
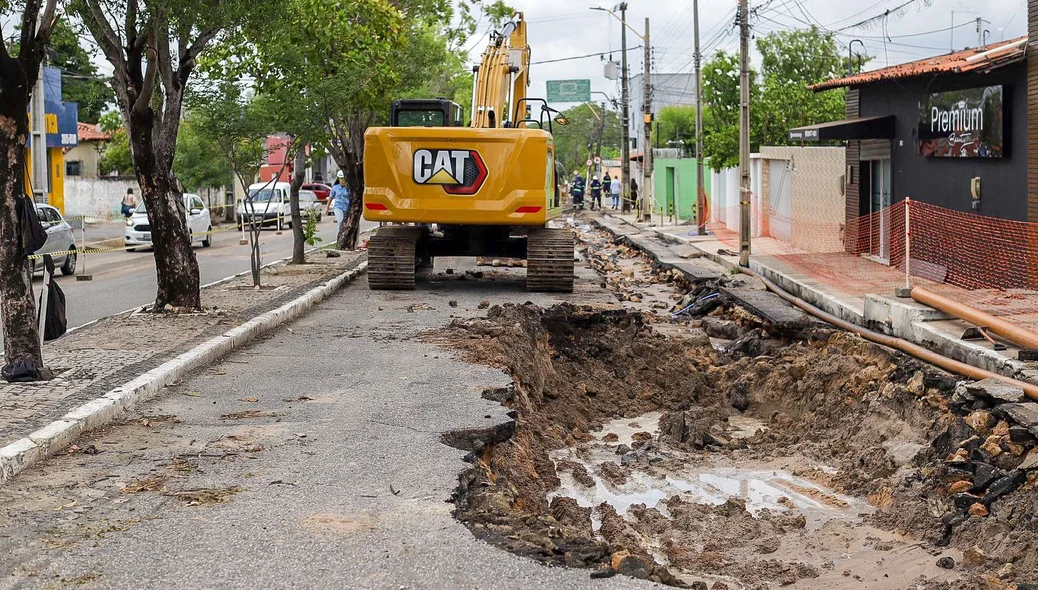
x=438, y=112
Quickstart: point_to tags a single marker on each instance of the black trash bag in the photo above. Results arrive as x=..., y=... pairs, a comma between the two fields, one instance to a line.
x=20, y=371
x=57, y=322
x=32, y=232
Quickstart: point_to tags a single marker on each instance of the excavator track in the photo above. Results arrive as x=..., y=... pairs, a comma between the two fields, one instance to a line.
x=391, y=257
x=549, y=253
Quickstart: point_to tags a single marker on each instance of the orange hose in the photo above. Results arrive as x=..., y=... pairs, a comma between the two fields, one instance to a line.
x=917, y=351
x=1007, y=330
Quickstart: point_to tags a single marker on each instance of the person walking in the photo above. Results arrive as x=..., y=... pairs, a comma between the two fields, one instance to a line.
x=340, y=199
x=614, y=189
x=129, y=203
x=577, y=190
x=596, y=193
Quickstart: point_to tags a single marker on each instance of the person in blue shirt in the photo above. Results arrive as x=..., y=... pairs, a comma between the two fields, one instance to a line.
x=340, y=198
x=577, y=189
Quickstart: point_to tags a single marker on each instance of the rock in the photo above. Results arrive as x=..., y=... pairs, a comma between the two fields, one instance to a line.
x=633, y=566
x=972, y=443
x=605, y=572
x=981, y=455
x=1026, y=586
x=484, y=304
x=673, y=427
x=623, y=450
x=984, y=474
x=1006, y=571
x=332, y=254
x=629, y=459
x=973, y=556
x=962, y=396
x=612, y=472
x=958, y=458
x=610, y=438
x=569, y=513
x=964, y=501
x=1030, y=461
x=1019, y=434
x=616, y=558
x=449, y=271
x=1006, y=485
x=452, y=303
x=720, y=328
x=1024, y=414
x=946, y=563
x=641, y=445
x=719, y=586
x=993, y=445
x=1014, y=449
x=997, y=391
x=1001, y=429
x=699, y=585
x=978, y=509
x=740, y=397
x=637, y=436
x=980, y=421
x=960, y=487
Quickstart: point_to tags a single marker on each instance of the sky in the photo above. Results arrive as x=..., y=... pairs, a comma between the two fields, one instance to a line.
x=566, y=28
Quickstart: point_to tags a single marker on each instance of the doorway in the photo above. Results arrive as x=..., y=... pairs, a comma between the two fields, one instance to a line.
x=877, y=173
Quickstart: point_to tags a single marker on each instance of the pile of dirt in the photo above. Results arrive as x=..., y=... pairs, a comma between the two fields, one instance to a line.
x=917, y=485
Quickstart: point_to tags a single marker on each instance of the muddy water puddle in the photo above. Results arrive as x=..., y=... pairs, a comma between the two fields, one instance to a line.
x=831, y=547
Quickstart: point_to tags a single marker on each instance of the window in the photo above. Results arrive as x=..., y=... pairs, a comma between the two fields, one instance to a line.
x=307, y=197
x=47, y=215
x=73, y=168
x=196, y=203
x=420, y=119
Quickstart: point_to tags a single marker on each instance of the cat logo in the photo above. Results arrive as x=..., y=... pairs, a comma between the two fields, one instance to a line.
x=459, y=172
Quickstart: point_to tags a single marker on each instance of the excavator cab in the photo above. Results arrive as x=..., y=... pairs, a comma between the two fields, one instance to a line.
x=435, y=112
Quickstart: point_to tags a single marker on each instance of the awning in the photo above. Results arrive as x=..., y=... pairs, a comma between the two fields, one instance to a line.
x=863, y=128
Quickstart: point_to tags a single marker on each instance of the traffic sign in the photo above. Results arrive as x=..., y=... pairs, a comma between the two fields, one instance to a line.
x=589, y=162
x=598, y=160
x=569, y=90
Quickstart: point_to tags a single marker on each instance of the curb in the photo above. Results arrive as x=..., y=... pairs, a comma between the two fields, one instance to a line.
x=58, y=435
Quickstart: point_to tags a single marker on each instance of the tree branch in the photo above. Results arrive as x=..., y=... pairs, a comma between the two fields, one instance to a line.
x=148, y=87
x=49, y=19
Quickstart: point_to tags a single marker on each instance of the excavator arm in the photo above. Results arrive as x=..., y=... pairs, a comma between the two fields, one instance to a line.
x=502, y=77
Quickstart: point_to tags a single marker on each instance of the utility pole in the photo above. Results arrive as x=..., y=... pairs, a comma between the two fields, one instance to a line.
x=700, y=193
x=744, y=134
x=646, y=191
x=625, y=130
x=980, y=32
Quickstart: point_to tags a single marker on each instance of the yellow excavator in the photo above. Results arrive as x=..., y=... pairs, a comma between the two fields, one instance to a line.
x=488, y=189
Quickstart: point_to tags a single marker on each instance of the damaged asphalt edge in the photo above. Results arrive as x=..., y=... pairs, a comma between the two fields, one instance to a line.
x=58, y=435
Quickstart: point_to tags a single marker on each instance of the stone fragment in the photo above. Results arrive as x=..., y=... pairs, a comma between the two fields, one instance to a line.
x=1005, y=485
x=1024, y=414
x=1030, y=461
x=610, y=437
x=996, y=391
x=623, y=450
x=1006, y=571
x=978, y=509
x=964, y=501
x=946, y=563
x=959, y=457
x=960, y=487
x=993, y=445
x=984, y=474
x=1020, y=434
x=484, y=304
x=980, y=421
x=1001, y=429
x=973, y=556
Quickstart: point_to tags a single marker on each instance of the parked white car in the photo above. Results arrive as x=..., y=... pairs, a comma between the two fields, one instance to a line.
x=268, y=203
x=199, y=223
x=59, y=239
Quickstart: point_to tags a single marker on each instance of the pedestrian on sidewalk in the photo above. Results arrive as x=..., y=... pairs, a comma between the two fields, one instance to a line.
x=596, y=193
x=614, y=189
x=340, y=199
x=129, y=203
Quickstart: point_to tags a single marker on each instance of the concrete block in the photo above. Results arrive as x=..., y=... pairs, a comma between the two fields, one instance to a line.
x=56, y=436
x=17, y=456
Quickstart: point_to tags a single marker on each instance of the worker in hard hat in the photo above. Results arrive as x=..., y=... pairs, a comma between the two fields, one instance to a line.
x=340, y=197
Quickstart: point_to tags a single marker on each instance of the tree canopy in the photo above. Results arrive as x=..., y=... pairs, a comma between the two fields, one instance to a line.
x=80, y=81
x=572, y=141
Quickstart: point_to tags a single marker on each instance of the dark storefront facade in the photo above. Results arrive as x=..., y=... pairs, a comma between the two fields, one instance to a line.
x=950, y=133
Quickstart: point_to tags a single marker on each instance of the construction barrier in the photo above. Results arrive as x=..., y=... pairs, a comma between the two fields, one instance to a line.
x=985, y=262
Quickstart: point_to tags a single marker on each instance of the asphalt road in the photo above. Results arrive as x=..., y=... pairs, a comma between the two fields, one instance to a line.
x=336, y=476
x=123, y=280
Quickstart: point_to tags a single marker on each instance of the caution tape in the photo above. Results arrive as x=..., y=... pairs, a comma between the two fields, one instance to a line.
x=120, y=217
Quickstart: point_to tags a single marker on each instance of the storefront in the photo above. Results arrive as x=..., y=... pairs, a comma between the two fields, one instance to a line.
x=950, y=131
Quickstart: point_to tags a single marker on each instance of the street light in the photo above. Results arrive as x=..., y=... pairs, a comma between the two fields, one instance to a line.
x=633, y=30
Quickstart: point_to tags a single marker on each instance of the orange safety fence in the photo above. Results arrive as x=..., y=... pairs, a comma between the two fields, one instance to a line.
x=986, y=262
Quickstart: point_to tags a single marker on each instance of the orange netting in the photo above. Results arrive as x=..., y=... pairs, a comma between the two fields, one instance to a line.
x=986, y=262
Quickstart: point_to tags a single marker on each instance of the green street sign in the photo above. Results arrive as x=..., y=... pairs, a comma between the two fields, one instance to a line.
x=569, y=91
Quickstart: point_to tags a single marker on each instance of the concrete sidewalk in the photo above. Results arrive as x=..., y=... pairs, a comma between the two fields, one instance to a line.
x=882, y=312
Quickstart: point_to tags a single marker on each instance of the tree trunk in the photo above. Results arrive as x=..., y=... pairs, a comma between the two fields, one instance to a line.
x=298, y=243
x=175, y=263
x=21, y=336
x=347, y=148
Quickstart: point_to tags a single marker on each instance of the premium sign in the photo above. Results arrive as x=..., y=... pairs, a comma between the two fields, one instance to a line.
x=803, y=135
x=962, y=124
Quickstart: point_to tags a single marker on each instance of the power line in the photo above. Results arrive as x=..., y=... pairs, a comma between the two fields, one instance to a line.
x=575, y=57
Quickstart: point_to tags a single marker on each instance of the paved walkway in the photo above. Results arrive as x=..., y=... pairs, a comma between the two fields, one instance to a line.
x=94, y=360
x=339, y=480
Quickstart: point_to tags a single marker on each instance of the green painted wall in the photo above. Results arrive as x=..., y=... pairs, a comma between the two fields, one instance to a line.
x=674, y=185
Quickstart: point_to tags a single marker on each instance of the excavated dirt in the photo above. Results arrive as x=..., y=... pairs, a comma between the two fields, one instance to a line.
x=642, y=445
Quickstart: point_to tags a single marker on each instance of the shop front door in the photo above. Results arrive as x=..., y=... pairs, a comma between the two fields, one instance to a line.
x=880, y=209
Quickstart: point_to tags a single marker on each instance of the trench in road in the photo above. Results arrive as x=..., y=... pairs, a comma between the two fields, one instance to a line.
x=123, y=280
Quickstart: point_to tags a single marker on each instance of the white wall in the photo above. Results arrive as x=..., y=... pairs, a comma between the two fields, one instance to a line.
x=724, y=196
x=98, y=198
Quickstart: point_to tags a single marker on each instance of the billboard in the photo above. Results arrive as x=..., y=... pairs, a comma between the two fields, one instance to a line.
x=962, y=124
x=569, y=90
